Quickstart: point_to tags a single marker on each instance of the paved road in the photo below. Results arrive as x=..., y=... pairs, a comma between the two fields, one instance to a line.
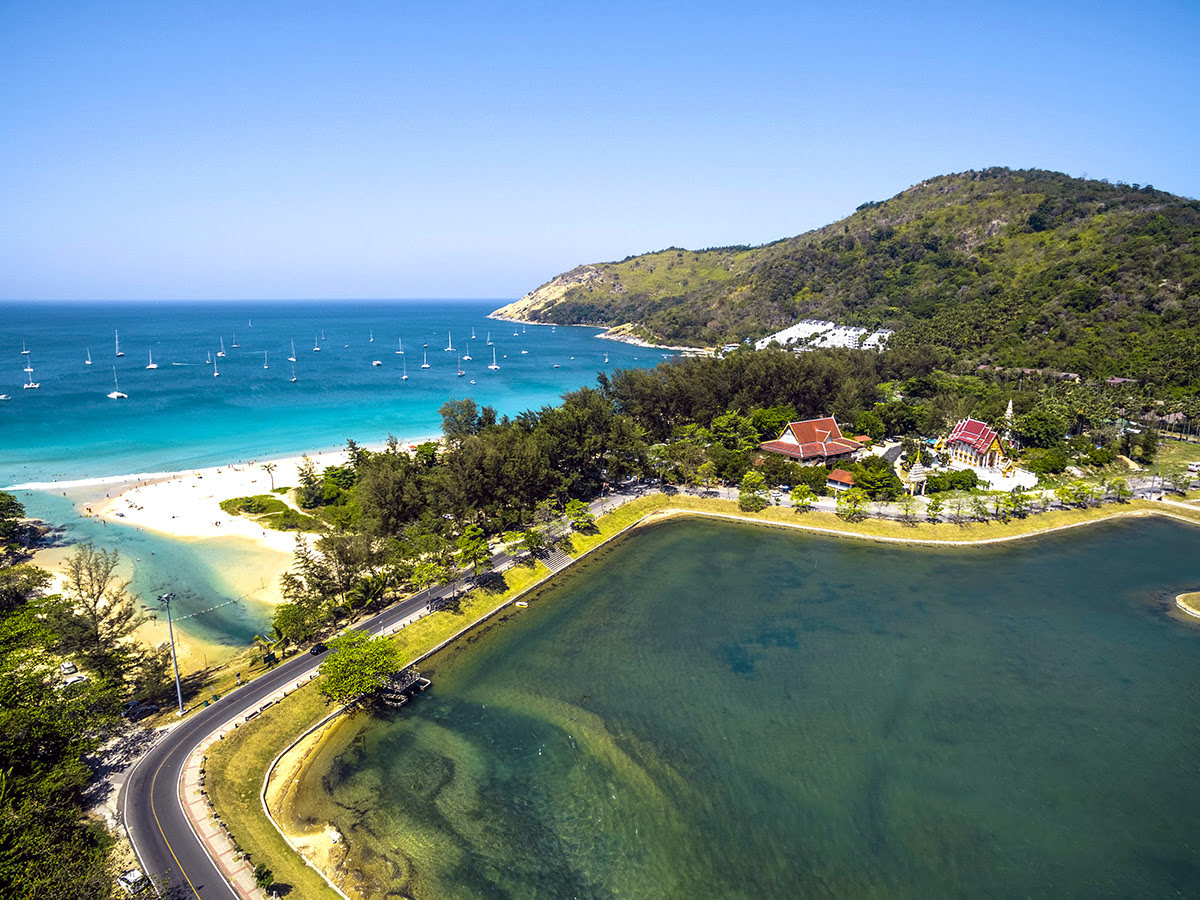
x=161, y=835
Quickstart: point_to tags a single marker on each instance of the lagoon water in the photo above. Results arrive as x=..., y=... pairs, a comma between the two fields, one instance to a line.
x=717, y=710
x=179, y=416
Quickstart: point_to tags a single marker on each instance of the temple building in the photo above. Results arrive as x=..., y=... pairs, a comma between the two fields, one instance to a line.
x=975, y=444
x=815, y=441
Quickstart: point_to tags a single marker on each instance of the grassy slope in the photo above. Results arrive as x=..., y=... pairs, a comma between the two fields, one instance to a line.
x=1029, y=268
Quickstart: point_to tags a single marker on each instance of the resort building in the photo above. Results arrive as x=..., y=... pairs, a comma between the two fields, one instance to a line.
x=839, y=480
x=815, y=441
x=972, y=442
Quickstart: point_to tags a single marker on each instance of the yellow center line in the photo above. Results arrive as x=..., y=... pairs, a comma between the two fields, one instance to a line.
x=170, y=849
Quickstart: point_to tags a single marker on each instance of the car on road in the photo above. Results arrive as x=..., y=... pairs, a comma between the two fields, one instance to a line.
x=318, y=649
x=133, y=881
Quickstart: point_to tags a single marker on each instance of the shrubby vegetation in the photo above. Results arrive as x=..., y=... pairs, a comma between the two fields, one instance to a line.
x=1021, y=268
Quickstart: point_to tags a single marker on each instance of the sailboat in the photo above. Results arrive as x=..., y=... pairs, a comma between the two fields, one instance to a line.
x=449, y=342
x=221, y=352
x=88, y=361
x=493, y=366
x=24, y=349
x=404, y=377
x=472, y=334
x=460, y=373
x=292, y=358
x=377, y=362
x=249, y=323
x=293, y=373
x=216, y=374
x=316, y=345
x=30, y=384
x=489, y=339
x=116, y=393
x=117, y=343
x=235, y=344
x=265, y=366
x=606, y=359
x=401, y=350
x=467, y=355
x=425, y=360
x=208, y=359
x=153, y=364
x=371, y=339
x=29, y=365
x=322, y=334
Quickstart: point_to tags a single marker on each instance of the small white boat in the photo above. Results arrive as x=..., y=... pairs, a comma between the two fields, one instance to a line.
x=208, y=359
x=523, y=352
x=116, y=393
x=235, y=344
x=425, y=360
x=293, y=374
x=28, y=367
x=472, y=381
x=404, y=377
x=30, y=384
x=472, y=334
x=606, y=359
x=316, y=345
x=556, y=366
x=449, y=342
x=153, y=364
x=292, y=358
x=377, y=362
x=460, y=373
x=221, y=352
x=117, y=343
x=489, y=340
x=265, y=366
x=216, y=374
x=401, y=350
x=371, y=339
x=24, y=349
x=493, y=366
x=467, y=356
x=322, y=334
x=249, y=323
x=5, y=397
x=88, y=361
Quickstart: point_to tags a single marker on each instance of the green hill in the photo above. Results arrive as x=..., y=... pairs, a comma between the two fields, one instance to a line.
x=1017, y=268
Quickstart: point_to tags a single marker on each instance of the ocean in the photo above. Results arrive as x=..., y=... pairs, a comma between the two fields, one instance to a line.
x=180, y=416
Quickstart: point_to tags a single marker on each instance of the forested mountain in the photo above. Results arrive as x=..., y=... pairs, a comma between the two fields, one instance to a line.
x=1018, y=268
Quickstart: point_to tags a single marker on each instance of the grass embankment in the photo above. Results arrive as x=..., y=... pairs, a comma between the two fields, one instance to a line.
x=271, y=512
x=1190, y=603
x=235, y=767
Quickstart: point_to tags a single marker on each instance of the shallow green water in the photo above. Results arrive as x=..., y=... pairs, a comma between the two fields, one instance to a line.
x=715, y=710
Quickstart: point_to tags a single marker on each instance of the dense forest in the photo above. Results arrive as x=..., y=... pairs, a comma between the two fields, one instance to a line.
x=398, y=520
x=1017, y=268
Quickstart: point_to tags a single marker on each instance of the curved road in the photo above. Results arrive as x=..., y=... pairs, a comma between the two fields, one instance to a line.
x=162, y=837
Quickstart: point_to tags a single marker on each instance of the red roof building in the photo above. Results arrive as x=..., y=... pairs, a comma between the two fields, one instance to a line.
x=974, y=443
x=840, y=480
x=813, y=441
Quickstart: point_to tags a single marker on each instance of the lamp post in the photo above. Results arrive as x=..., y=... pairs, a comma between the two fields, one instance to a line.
x=165, y=600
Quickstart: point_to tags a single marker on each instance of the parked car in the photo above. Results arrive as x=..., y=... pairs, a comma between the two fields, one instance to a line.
x=74, y=679
x=318, y=649
x=68, y=668
x=142, y=711
x=133, y=881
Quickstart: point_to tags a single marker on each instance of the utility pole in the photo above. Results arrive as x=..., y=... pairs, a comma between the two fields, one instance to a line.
x=165, y=600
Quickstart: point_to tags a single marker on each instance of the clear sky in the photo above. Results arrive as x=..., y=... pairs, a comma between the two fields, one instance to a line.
x=445, y=149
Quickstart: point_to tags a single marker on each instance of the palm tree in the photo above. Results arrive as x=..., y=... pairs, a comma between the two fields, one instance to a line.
x=269, y=468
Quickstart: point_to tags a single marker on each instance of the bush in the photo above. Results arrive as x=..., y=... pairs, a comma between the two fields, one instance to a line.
x=291, y=520
x=953, y=480
x=257, y=505
x=1046, y=462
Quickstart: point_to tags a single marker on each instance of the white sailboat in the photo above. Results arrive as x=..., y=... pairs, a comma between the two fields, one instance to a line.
x=216, y=374
x=5, y=397
x=292, y=358
x=265, y=366
x=460, y=373
x=116, y=393
x=153, y=364
x=493, y=366
x=425, y=360
x=235, y=344
x=371, y=339
x=489, y=339
x=449, y=342
x=30, y=384
x=117, y=343
x=221, y=352
x=377, y=362
x=316, y=345
x=401, y=350
x=88, y=361
x=467, y=355
x=29, y=365
x=322, y=334
x=472, y=334
x=606, y=359
x=24, y=349
x=293, y=373
x=404, y=377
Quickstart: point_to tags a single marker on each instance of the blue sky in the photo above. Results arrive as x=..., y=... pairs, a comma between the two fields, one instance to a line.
x=261, y=150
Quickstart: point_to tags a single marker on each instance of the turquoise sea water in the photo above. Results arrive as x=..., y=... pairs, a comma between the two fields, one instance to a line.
x=180, y=416
x=716, y=710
